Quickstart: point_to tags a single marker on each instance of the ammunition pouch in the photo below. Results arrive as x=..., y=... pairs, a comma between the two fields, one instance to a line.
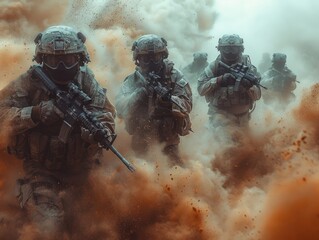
x=227, y=97
x=18, y=146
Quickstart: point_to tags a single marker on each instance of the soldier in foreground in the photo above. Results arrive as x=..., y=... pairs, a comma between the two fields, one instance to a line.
x=280, y=81
x=155, y=100
x=230, y=84
x=57, y=154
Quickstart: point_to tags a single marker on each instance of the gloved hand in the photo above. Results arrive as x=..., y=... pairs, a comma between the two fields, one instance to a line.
x=167, y=96
x=246, y=83
x=227, y=79
x=45, y=112
x=90, y=138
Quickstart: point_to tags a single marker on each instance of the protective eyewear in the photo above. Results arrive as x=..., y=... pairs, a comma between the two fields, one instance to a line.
x=68, y=60
x=148, y=58
x=230, y=49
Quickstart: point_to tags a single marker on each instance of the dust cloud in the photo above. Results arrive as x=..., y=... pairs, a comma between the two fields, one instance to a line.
x=263, y=187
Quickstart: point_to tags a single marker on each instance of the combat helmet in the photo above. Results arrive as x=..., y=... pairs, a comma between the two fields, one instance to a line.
x=149, y=51
x=149, y=44
x=60, y=40
x=231, y=47
x=200, y=56
x=279, y=60
x=279, y=57
x=62, y=51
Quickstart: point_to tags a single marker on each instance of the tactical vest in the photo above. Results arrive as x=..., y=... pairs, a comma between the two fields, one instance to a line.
x=226, y=97
x=150, y=114
x=40, y=145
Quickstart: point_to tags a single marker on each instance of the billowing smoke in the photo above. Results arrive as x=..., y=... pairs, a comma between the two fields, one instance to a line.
x=264, y=187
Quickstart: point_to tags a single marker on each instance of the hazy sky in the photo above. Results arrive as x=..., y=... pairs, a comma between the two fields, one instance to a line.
x=272, y=26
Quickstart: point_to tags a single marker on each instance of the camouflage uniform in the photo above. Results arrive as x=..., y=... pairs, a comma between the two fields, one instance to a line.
x=148, y=118
x=265, y=63
x=50, y=165
x=280, y=81
x=226, y=105
x=193, y=70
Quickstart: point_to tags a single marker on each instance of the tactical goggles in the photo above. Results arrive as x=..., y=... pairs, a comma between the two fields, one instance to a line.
x=68, y=60
x=230, y=49
x=150, y=57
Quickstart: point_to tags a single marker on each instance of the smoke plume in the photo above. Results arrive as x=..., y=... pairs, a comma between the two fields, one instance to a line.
x=256, y=185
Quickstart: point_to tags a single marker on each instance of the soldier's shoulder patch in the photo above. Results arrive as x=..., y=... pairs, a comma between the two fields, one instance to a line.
x=182, y=82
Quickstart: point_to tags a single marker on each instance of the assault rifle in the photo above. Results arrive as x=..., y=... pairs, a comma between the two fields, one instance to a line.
x=240, y=71
x=154, y=83
x=286, y=77
x=72, y=104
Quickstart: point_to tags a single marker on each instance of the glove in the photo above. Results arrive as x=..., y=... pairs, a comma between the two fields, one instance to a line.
x=227, y=79
x=45, y=112
x=246, y=83
x=90, y=138
x=167, y=96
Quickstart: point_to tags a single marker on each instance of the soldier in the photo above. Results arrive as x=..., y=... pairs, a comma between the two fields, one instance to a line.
x=265, y=63
x=155, y=100
x=228, y=102
x=51, y=166
x=193, y=70
x=280, y=80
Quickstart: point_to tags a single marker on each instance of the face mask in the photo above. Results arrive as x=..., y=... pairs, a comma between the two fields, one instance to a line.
x=230, y=53
x=200, y=62
x=279, y=64
x=62, y=75
x=151, y=62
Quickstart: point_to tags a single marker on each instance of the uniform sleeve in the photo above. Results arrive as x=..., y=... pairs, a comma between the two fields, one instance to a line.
x=292, y=86
x=292, y=81
x=267, y=79
x=15, y=107
x=254, y=92
x=207, y=82
x=128, y=97
x=100, y=106
x=183, y=94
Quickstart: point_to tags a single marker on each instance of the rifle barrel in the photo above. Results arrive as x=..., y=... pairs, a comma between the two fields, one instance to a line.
x=127, y=163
